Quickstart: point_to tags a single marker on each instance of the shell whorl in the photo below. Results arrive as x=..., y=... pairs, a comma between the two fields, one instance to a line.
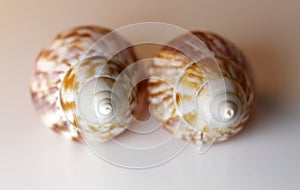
x=74, y=67
x=196, y=99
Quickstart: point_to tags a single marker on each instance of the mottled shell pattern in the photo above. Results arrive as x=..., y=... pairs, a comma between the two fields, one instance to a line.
x=202, y=105
x=72, y=83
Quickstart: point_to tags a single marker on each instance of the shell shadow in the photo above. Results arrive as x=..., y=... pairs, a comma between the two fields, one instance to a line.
x=270, y=74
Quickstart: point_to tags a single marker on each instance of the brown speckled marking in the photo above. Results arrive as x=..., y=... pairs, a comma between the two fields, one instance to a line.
x=191, y=117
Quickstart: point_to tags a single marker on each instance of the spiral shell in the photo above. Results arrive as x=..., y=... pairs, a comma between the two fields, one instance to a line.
x=197, y=102
x=72, y=83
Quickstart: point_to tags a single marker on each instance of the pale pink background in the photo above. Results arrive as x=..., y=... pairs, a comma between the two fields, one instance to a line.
x=264, y=156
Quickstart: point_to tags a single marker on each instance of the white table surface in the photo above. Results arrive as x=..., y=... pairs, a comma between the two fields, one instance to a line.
x=265, y=155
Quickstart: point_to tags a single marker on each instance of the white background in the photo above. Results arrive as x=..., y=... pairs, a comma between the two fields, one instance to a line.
x=263, y=156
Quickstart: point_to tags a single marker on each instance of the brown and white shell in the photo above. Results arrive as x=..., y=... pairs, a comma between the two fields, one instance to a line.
x=72, y=83
x=194, y=100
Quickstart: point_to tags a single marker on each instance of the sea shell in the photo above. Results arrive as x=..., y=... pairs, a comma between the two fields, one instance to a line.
x=203, y=101
x=72, y=83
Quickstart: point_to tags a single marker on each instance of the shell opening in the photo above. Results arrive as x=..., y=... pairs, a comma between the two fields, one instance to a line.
x=227, y=110
x=226, y=107
x=105, y=109
x=98, y=106
x=103, y=105
x=220, y=103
